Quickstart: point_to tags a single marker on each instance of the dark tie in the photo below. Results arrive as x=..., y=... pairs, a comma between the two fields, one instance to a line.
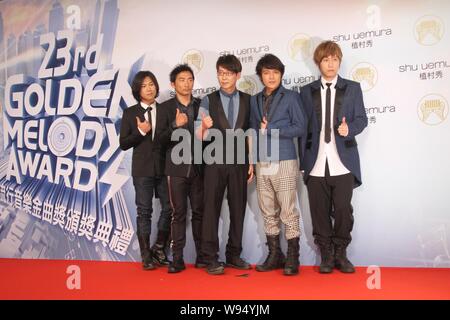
x=266, y=105
x=149, y=115
x=328, y=114
x=148, y=111
x=230, y=115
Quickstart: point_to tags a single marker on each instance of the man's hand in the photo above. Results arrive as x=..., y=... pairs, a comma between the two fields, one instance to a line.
x=207, y=122
x=250, y=173
x=180, y=119
x=144, y=126
x=343, y=128
x=264, y=123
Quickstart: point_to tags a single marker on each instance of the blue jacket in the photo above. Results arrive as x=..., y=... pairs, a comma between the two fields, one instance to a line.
x=285, y=114
x=349, y=104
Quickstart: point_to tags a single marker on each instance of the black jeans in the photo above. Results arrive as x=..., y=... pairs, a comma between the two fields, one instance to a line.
x=219, y=178
x=182, y=188
x=331, y=196
x=145, y=187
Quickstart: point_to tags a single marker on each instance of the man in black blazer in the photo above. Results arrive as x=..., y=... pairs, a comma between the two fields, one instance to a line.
x=138, y=131
x=185, y=178
x=225, y=112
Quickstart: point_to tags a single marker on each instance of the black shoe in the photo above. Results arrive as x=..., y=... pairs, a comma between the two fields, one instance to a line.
x=325, y=268
x=238, y=263
x=275, y=259
x=176, y=266
x=215, y=268
x=290, y=270
x=291, y=267
x=148, y=266
x=200, y=264
x=327, y=262
x=146, y=252
x=159, y=256
x=159, y=248
x=345, y=266
x=341, y=261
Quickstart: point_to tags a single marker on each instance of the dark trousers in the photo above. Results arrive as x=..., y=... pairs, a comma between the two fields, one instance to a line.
x=217, y=179
x=145, y=187
x=181, y=188
x=331, y=196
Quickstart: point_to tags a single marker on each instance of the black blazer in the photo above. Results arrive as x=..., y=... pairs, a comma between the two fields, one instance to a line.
x=148, y=155
x=164, y=131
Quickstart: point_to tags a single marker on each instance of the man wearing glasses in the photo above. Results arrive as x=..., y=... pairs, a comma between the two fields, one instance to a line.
x=226, y=111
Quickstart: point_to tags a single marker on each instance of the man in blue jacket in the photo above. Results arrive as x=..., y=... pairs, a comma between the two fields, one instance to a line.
x=277, y=115
x=335, y=110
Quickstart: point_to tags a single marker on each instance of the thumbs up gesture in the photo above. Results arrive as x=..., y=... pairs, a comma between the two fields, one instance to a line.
x=264, y=123
x=181, y=118
x=207, y=121
x=343, y=128
x=144, y=126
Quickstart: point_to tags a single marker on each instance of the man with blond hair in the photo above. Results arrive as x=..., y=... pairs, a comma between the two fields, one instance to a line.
x=330, y=160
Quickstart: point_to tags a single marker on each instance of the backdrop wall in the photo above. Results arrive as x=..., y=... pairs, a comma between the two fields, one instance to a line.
x=65, y=72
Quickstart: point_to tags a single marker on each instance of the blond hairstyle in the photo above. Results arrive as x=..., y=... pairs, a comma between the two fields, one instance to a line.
x=325, y=49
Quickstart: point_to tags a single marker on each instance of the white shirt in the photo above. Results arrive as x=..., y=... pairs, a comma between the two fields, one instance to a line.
x=153, y=112
x=328, y=151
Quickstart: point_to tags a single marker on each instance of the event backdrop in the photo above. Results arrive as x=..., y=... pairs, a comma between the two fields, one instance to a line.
x=65, y=73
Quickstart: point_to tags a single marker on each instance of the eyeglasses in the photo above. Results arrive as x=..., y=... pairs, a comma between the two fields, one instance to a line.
x=225, y=74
